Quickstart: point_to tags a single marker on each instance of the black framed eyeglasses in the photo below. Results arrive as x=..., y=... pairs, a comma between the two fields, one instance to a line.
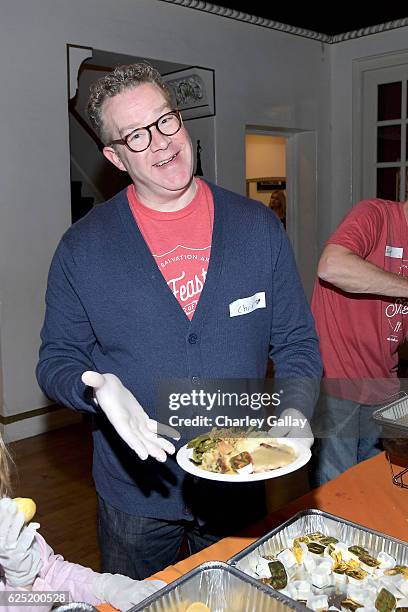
x=139, y=140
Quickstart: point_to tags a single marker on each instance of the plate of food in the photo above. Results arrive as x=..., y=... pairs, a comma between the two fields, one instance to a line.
x=239, y=456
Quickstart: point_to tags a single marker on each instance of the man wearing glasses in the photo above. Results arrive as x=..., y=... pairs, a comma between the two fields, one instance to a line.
x=173, y=278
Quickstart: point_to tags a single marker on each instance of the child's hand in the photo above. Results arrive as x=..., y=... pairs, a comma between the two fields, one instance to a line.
x=20, y=556
x=26, y=506
x=123, y=592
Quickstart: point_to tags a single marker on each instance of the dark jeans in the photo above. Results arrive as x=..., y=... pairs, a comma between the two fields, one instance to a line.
x=138, y=546
x=345, y=435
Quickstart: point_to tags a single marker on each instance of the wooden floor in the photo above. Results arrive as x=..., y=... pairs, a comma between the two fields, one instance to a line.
x=54, y=469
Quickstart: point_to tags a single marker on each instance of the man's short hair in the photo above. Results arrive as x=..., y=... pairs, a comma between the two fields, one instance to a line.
x=121, y=79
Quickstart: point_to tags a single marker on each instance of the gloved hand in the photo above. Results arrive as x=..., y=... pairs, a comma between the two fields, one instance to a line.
x=20, y=555
x=128, y=417
x=303, y=435
x=123, y=592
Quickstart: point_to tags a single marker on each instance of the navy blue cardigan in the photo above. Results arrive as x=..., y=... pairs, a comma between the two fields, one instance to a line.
x=108, y=308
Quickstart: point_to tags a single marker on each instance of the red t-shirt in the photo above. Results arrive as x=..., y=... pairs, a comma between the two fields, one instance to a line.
x=359, y=333
x=180, y=242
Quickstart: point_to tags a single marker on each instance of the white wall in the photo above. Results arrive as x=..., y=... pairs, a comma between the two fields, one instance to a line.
x=344, y=55
x=263, y=77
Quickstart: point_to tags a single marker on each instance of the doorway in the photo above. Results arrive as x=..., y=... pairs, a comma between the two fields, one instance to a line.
x=265, y=171
x=284, y=160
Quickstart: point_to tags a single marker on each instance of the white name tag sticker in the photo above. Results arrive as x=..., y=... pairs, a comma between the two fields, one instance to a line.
x=246, y=305
x=396, y=252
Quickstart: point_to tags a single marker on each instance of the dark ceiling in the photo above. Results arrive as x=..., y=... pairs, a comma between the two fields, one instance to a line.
x=332, y=19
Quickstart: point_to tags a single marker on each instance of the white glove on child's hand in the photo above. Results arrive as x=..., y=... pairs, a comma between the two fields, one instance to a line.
x=20, y=555
x=298, y=428
x=123, y=592
x=128, y=417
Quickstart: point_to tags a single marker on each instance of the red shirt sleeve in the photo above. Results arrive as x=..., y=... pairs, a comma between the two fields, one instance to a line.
x=359, y=230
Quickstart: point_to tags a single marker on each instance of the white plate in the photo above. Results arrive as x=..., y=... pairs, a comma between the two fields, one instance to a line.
x=303, y=455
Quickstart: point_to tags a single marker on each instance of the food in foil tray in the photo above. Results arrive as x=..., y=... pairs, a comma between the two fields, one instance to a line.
x=326, y=574
x=196, y=606
x=229, y=451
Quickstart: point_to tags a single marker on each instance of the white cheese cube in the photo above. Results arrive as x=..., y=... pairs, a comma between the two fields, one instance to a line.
x=368, y=598
x=324, y=564
x=292, y=590
x=287, y=558
x=302, y=574
x=339, y=580
x=386, y=561
x=303, y=589
x=371, y=582
x=321, y=578
x=309, y=563
x=388, y=584
x=403, y=587
x=252, y=563
x=262, y=568
x=317, y=602
x=354, y=592
x=356, y=580
x=402, y=603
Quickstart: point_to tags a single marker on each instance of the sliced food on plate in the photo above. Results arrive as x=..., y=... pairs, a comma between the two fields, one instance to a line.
x=225, y=451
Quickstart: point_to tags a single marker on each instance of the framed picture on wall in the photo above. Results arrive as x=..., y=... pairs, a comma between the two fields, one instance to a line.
x=265, y=185
x=193, y=91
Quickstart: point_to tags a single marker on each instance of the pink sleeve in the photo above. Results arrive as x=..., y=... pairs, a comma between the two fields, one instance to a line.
x=59, y=575
x=359, y=229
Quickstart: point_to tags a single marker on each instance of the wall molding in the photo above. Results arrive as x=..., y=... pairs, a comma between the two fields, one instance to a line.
x=29, y=414
x=220, y=11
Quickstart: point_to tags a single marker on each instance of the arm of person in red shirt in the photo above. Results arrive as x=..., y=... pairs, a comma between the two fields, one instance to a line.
x=350, y=272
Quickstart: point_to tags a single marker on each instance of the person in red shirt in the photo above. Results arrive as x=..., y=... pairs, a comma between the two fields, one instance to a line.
x=360, y=308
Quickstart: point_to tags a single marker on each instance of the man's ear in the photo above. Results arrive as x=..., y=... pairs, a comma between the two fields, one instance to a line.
x=113, y=157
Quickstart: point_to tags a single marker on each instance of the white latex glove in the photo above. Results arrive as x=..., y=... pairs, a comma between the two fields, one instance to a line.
x=303, y=435
x=123, y=592
x=128, y=417
x=20, y=555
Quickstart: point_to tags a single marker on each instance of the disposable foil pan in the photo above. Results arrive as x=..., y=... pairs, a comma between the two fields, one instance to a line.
x=393, y=419
x=312, y=520
x=76, y=607
x=222, y=588
x=394, y=414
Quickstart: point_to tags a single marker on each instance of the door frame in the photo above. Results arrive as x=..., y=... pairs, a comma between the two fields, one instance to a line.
x=301, y=196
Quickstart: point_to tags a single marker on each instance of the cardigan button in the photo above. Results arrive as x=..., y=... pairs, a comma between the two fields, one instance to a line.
x=193, y=338
x=195, y=380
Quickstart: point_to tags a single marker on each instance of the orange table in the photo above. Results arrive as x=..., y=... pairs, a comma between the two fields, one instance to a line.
x=364, y=494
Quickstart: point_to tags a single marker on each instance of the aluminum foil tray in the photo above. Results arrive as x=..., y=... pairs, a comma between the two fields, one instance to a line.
x=222, y=588
x=393, y=420
x=76, y=607
x=317, y=520
x=394, y=415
